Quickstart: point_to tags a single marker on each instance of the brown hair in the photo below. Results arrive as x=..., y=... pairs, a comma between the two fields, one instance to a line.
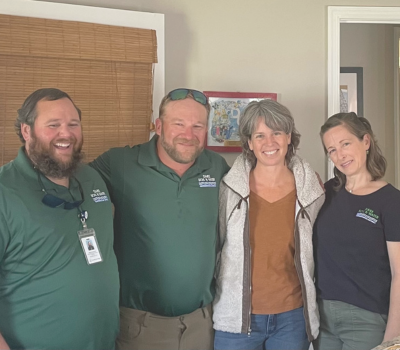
x=27, y=114
x=358, y=126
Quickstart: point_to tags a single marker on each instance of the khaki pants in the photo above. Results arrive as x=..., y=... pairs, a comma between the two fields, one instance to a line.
x=141, y=330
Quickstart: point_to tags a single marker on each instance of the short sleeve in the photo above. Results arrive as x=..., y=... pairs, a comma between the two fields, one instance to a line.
x=391, y=215
x=225, y=166
x=4, y=236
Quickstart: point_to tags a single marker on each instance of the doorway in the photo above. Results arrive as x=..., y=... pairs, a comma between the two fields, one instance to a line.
x=338, y=15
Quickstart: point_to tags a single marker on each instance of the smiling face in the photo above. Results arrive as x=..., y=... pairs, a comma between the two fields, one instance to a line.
x=182, y=132
x=55, y=141
x=347, y=152
x=269, y=146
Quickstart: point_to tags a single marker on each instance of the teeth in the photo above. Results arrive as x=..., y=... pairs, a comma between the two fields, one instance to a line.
x=62, y=145
x=271, y=152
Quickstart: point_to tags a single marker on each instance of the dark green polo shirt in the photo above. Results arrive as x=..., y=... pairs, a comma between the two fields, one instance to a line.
x=50, y=298
x=165, y=227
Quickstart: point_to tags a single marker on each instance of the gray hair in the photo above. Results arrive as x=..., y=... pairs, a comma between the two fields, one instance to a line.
x=276, y=116
x=27, y=114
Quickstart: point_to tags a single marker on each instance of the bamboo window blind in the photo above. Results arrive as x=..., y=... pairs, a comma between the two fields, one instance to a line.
x=107, y=71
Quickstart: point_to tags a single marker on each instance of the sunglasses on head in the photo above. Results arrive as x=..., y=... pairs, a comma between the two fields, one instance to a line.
x=181, y=94
x=56, y=202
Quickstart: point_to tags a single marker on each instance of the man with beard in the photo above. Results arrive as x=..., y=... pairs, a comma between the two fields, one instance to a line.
x=165, y=194
x=54, y=293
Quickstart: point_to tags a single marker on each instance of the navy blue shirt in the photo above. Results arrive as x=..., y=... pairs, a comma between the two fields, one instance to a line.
x=350, y=235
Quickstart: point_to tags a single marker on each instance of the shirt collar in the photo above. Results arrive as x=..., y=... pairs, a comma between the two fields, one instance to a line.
x=148, y=153
x=26, y=167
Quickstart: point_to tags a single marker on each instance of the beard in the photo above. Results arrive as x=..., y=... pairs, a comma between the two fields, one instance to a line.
x=46, y=161
x=181, y=157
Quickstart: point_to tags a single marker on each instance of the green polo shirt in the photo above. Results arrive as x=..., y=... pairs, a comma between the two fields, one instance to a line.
x=165, y=227
x=50, y=298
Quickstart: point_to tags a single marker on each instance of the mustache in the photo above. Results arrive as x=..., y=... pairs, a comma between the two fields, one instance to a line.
x=65, y=140
x=186, y=141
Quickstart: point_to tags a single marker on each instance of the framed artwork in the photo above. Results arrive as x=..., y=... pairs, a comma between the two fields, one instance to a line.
x=223, y=123
x=351, y=90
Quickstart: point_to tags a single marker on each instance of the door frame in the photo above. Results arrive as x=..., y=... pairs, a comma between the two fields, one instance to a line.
x=396, y=60
x=350, y=14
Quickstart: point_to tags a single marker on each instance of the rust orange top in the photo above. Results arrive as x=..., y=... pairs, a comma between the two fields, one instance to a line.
x=275, y=284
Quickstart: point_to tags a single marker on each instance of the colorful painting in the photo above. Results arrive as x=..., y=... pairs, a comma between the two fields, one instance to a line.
x=223, y=124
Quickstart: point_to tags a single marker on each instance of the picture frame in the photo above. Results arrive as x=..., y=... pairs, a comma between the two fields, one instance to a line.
x=351, y=90
x=223, y=123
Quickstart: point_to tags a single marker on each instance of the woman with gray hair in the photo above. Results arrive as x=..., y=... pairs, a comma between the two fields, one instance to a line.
x=269, y=200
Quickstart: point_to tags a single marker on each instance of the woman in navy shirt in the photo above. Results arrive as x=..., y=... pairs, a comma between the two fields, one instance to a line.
x=357, y=241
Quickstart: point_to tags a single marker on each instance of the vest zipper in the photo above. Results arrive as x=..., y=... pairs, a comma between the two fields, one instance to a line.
x=299, y=269
x=246, y=302
x=247, y=246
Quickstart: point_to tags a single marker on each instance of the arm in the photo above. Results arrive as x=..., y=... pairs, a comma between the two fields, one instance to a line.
x=393, y=325
x=4, y=241
x=3, y=344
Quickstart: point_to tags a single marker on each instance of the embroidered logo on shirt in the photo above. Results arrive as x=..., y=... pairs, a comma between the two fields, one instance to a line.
x=368, y=214
x=207, y=181
x=99, y=196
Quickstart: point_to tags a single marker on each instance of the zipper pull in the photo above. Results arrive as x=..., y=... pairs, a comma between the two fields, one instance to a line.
x=240, y=202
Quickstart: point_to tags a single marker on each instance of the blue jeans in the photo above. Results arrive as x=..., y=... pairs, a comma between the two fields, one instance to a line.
x=283, y=331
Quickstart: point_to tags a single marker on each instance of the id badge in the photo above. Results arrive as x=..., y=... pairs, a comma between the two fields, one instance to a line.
x=90, y=247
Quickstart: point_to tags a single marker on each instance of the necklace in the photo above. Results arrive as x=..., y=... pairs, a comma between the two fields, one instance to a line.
x=361, y=185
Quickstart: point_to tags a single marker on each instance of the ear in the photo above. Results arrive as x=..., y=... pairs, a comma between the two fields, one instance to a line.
x=158, y=126
x=250, y=144
x=26, y=131
x=367, y=141
x=289, y=138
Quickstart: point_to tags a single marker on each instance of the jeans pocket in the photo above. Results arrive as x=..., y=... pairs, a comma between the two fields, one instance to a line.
x=384, y=318
x=130, y=328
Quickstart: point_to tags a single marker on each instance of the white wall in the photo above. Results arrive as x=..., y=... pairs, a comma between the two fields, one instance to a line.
x=254, y=46
x=371, y=46
x=388, y=148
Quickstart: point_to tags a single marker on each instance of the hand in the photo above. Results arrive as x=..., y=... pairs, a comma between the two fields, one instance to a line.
x=3, y=344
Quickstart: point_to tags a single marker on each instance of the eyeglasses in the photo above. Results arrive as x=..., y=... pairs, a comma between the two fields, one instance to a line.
x=181, y=94
x=55, y=202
